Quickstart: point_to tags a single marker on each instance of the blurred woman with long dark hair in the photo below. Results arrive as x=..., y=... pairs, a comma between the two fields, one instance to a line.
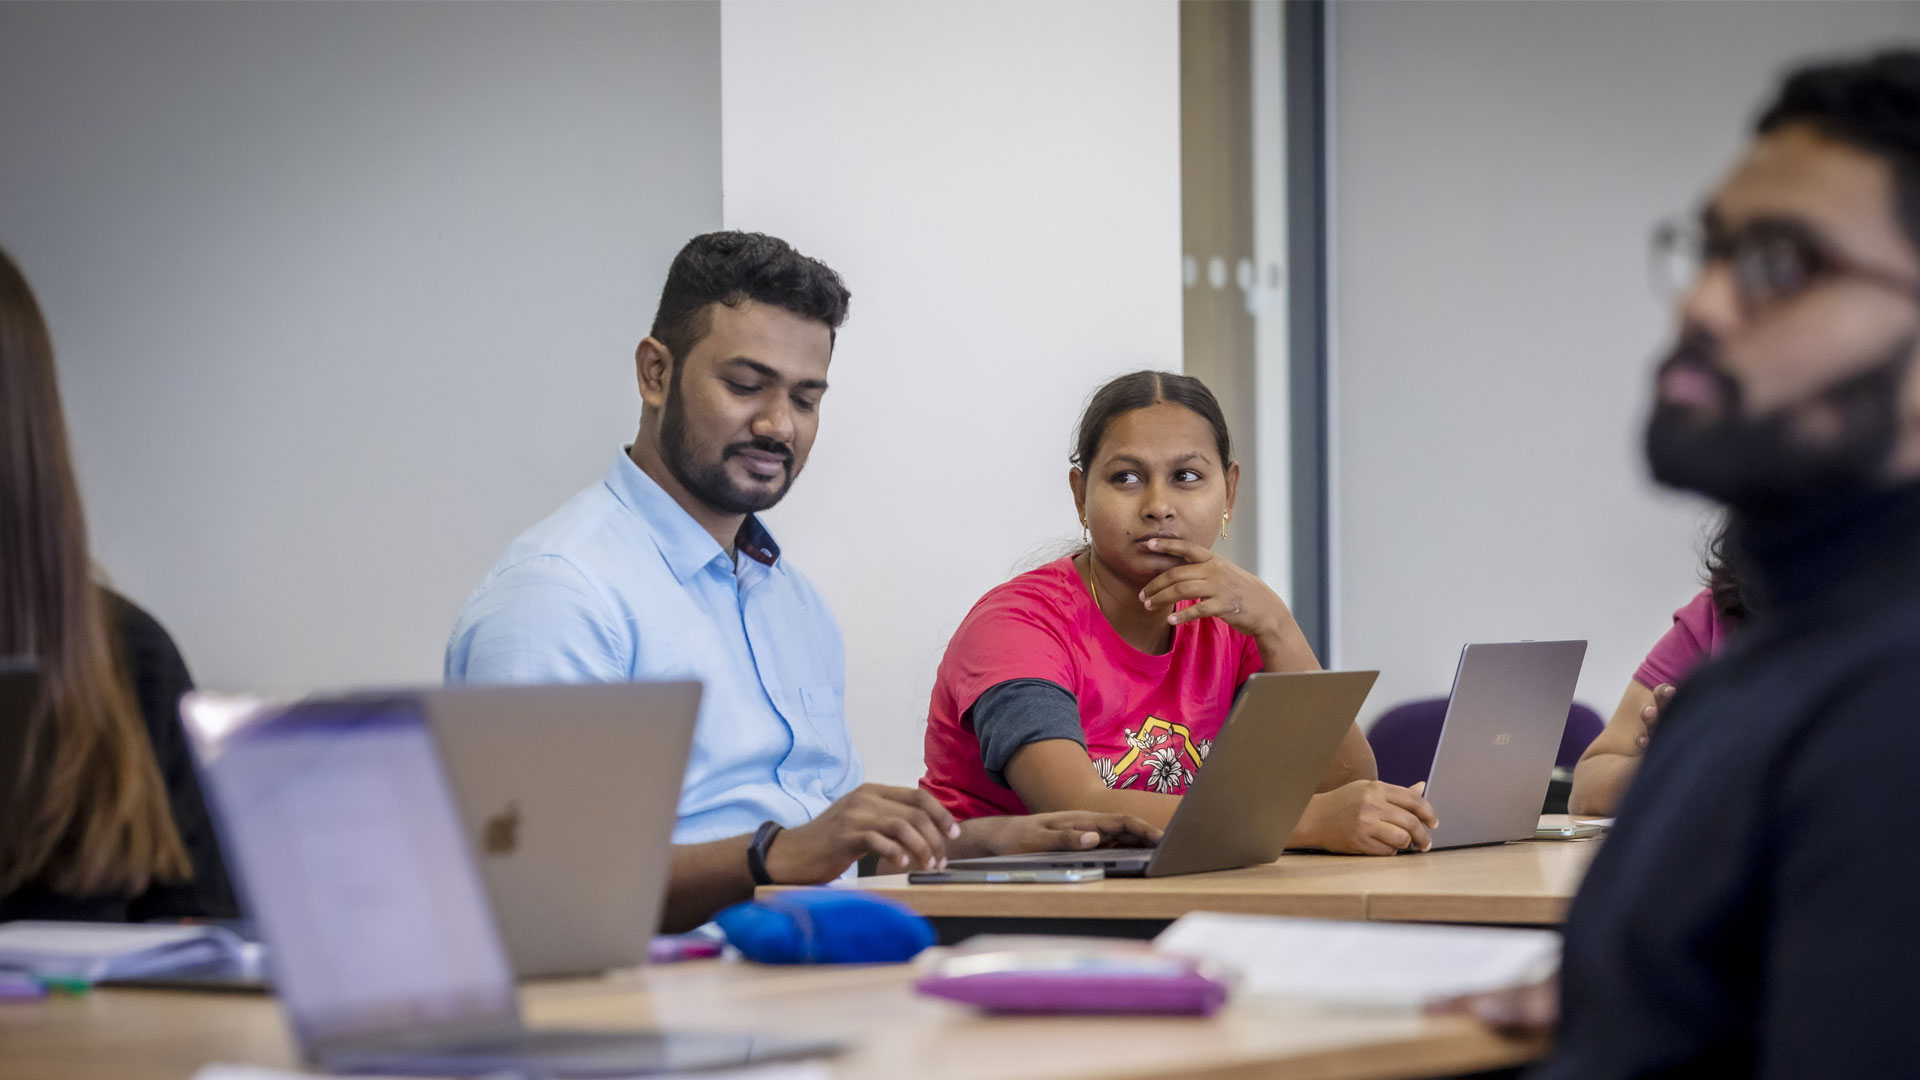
x=106, y=821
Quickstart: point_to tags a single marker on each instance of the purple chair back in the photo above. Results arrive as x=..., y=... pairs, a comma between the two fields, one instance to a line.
x=1405, y=737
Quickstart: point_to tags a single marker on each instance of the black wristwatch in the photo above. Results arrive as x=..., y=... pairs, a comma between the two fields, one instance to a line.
x=757, y=852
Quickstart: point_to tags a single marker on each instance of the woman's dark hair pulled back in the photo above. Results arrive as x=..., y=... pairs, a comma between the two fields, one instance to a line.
x=1137, y=391
x=1726, y=577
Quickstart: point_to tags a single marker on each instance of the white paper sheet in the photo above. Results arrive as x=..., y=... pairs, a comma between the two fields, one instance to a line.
x=106, y=950
x=1382, y=964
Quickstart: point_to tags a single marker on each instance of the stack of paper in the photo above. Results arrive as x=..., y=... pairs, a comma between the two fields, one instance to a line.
x=97, y=951
x=1384, y=964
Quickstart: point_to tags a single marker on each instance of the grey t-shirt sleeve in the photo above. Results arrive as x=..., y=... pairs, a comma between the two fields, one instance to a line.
x=1011, y=714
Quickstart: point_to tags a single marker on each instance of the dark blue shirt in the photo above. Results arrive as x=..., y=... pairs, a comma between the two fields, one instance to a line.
x=1756, y=910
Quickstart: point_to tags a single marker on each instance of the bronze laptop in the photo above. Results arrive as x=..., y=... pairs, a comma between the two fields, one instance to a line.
x=1267, y=761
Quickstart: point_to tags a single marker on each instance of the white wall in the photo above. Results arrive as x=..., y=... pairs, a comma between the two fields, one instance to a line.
x=1497, y=169
x=1000, y=186
x=345, y=296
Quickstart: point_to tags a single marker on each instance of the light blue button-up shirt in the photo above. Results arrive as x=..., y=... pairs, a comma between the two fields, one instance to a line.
x=621, y=584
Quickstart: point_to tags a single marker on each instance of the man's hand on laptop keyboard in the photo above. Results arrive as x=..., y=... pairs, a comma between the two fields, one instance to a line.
x=906, y=827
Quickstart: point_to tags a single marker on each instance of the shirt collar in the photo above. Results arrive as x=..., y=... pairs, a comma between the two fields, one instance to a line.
x=686, y=546
x=757, y=543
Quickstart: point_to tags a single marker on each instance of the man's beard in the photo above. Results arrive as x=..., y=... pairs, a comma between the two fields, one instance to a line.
x=709, y=481
x=1761, y=466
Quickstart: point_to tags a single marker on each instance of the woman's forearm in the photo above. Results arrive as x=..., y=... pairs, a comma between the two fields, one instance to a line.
x=1285, y=648
x=1599, y=782
x=1149, y=806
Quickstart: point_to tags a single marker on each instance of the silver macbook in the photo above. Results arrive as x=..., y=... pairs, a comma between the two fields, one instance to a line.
x=1266, y=763
x=338, y=820
x=568, y=795
x=1504, y=722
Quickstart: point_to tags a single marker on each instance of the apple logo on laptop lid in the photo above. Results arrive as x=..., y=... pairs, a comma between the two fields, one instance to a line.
x=502, y=834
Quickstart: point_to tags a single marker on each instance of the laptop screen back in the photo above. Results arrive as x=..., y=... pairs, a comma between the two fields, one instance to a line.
x=1504, y=721
x=339, y=822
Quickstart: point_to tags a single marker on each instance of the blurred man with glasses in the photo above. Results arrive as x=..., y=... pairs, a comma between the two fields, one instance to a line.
x=1757, y=909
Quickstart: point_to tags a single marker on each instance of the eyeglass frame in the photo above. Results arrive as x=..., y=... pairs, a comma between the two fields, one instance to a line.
x=1831, y=261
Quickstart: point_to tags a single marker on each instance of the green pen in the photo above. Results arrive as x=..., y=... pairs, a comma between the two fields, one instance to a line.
x=70, y=984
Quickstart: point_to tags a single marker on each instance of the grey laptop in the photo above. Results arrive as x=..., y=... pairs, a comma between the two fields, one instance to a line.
x=1267, y=761
x=1505, y=719
x=568, y=795
x=338, y=820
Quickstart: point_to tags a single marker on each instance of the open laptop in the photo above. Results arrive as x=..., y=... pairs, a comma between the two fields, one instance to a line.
x=568, y=795
x=338, y=819
x=1266, y=763
x=1504, y=722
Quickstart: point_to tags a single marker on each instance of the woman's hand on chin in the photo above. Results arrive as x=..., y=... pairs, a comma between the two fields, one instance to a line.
x=1219, y=587
x=1222, y=589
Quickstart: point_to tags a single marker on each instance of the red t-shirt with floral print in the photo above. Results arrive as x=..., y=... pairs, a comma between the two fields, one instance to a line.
x=1149, y=720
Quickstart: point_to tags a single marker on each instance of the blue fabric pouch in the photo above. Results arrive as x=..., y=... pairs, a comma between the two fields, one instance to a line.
x=825, y=926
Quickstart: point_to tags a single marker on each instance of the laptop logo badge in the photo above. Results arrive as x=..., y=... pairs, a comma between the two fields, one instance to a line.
x=1502, y=739
x=502, y=833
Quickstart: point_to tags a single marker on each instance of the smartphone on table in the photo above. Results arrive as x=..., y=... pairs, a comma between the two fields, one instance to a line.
x=1006, y=877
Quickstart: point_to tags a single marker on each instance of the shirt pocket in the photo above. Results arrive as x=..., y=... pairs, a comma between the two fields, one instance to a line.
x=822, y=705
x=822, y=724
x=821, y=740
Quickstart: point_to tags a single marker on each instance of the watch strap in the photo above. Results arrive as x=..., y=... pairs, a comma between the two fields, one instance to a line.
x=757, y=852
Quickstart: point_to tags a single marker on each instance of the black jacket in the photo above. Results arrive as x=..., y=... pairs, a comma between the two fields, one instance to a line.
x=159, y=678
x=1756, y=910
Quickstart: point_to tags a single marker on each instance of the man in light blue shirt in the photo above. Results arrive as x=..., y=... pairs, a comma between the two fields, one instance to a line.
x=621, y=584
x=661, y=570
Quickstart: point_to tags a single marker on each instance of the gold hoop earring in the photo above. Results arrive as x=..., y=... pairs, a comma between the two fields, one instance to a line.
x=1224, y=518
x=1086, y=538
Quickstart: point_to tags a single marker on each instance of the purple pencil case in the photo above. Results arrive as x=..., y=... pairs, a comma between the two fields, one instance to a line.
x=1076, y=982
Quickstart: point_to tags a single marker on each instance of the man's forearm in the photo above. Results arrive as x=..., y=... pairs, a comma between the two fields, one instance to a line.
x=706, y=878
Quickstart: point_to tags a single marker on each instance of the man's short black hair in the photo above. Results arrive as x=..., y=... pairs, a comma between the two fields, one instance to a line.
x=1872, y=104
x=733, y=267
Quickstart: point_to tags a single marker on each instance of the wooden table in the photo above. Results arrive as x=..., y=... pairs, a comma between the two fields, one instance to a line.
x=1528, y=883
x=167, y=1035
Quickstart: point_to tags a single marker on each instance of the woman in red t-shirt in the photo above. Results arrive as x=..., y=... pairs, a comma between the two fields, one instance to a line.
x=1099, y=681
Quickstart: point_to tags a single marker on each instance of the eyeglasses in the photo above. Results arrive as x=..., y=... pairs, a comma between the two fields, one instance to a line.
x=1772, y=262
